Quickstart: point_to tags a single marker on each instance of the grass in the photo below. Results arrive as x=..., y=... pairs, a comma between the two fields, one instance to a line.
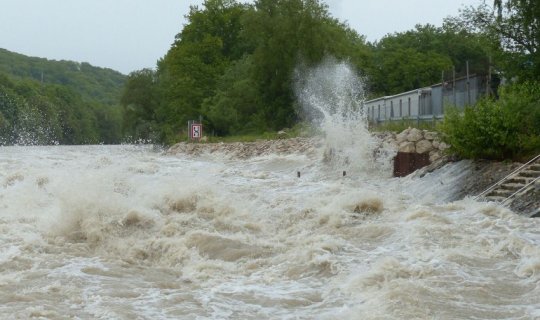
x=400, y=125
x=299, y=130
x=305, y=129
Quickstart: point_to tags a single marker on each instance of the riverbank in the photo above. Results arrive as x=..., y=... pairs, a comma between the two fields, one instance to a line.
x=244, y=150
x=478, y=176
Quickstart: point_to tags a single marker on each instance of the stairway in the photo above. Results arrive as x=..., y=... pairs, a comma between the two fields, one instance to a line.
x=519, y=182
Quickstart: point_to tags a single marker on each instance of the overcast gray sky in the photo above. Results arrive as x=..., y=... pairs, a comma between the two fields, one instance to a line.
x=128, y=35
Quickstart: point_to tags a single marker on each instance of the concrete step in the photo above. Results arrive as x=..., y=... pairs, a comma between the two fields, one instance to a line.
x=500, y=193
x=511, y=186
x=529, y=173
x=520, y=180
x=495, y=198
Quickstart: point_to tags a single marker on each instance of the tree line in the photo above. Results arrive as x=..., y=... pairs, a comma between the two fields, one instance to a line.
x=233, y=63
x=92, y=83
x=34, y=113
x=58, y=102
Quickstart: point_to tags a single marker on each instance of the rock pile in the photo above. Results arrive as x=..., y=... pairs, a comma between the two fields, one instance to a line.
x=411, y=140
x=243, y=150
x=414, y=140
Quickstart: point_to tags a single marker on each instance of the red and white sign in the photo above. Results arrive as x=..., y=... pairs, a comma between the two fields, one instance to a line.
x=196, y=131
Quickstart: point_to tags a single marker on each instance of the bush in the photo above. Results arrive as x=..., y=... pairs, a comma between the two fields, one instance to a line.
x=508, y=128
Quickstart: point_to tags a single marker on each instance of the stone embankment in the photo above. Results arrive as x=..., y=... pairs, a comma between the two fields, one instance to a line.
x=414, y=140
x=244, y=150
x=478, y=177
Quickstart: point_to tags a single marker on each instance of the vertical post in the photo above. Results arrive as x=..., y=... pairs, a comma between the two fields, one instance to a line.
x=454, y=84
x=468, y=85
x=488, y=80
x=420, y=108
x=442, y=94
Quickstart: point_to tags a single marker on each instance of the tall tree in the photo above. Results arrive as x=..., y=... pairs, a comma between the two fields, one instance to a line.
x=234, y=63
x=140, y=101
x=289, y=33
x=515, y=26
x=415, y=58
x=202, y=51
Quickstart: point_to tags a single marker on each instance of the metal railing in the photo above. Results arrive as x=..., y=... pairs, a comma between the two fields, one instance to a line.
x=504, y=179
x=520, y=190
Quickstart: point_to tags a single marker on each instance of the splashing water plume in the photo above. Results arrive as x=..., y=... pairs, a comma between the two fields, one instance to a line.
x=331, y=95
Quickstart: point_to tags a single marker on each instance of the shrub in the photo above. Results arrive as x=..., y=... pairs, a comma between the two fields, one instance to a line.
x=508, y=128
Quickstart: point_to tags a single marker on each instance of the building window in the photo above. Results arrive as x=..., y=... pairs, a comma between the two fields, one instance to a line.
x=409, y=106
x=391, y=109
x=378, y=111
x=400, y=109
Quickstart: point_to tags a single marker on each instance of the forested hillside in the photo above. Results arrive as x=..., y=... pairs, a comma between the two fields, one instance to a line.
x=92, y=83
x=58, y=102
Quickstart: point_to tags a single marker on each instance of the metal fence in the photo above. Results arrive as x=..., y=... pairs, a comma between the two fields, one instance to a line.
x=428, y=104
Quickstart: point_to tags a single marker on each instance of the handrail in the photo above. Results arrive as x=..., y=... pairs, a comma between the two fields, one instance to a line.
x=503, y=179
x=522, y=188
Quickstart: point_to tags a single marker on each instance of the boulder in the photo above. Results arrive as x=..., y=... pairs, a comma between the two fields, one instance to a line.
x=443, y=146
x=430, y=135
x=436, y=144
x=407, y=147
x=414, y=135
x=434, y=156
x=402, y=137
x=282, y=134
x=423, y=146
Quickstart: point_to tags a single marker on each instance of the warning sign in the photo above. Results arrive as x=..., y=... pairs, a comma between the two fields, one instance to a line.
x=196, y=131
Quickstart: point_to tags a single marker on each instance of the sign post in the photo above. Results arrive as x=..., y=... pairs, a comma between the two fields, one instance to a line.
x=195, y=130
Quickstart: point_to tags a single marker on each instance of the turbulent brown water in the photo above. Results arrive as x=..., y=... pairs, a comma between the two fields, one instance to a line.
x=124, y=232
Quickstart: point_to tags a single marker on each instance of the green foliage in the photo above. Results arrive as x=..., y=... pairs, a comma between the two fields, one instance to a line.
x=233, y=64
x=35, y=113
x=190, y=71
x=140, y=101
x=301, y=129
x=50, y=102
x=502, y=129
x=514, y=29
x=415, y=58
x=518, y=25
x=399, y=126
x=233, y=109
x=92, y=83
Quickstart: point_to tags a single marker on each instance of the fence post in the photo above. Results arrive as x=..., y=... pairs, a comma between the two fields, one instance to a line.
x=442, y=94
x=468, y=85
x=454, y=85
